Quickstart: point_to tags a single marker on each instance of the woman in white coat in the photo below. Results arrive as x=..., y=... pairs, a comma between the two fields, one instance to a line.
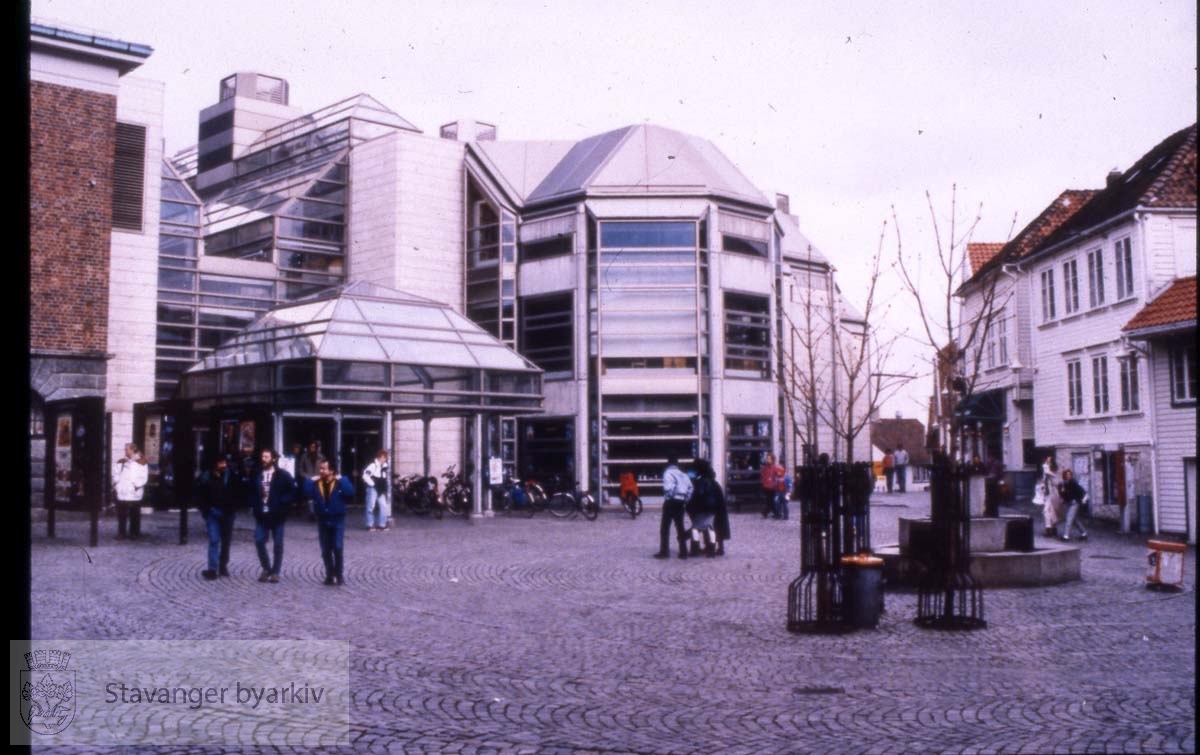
x=1052, y=504
x=129, y=477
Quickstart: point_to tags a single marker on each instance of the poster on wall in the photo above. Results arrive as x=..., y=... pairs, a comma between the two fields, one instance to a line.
x=229, y=437
x=153, y=439
x=62, y=459
x=246, y=434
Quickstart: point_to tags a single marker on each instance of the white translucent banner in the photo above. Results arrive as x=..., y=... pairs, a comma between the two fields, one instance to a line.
x=286, y=693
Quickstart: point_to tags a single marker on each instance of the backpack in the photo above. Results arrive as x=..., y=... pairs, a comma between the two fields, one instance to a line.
x=707, y=498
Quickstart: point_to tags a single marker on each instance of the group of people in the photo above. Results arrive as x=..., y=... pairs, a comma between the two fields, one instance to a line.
x=1061, y=497
x=699, y=496
x=272, y=490
x=895, y=468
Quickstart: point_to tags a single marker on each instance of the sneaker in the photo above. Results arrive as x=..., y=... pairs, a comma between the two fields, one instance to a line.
x=1066, y=539
x=208, y=574
x=329, y=580
x=273, y=579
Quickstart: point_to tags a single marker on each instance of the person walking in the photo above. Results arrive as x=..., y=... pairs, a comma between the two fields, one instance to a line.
x=1073, y=497
x=331, y=493
x=378, y=496
x=129, y=477
x=706, y=501
x=272, y=494
x=770, y=477
x=889, y=468
x=677, y=489
x=900, y=458
x=222, y=491
x=1052, y=505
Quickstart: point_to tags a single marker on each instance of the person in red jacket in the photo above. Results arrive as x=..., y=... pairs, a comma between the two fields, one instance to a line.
x=771, y=479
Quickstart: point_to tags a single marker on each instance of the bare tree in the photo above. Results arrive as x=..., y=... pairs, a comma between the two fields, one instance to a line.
x=806, y=373
x=956, y=335
x=835, y=374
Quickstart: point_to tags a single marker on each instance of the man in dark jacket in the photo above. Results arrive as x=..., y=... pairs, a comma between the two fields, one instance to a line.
x=1073, y=497
x=330, y=493
x=272, y=495
x=222, y=492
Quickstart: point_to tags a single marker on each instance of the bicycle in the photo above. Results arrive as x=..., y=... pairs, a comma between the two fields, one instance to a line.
x=569, y=501
x=629, y=494
x=456, y=496
x=515, y=497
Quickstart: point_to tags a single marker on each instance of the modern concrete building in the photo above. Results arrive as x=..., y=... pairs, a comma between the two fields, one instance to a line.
x=644, y=279
x=638, y=268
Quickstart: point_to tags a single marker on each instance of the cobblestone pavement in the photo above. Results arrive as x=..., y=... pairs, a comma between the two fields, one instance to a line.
x=513, y=635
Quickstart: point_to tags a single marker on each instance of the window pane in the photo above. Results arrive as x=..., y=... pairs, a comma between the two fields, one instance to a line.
x=648, y=234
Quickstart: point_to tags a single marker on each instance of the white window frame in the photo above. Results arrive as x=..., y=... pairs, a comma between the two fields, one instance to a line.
x=1070, y=287
x=1183, y=361
x=1095, y=264
x=1123, y=260
x=1100, y=401
x=1131, y=400
x=1074, y=388
x=1048, y=311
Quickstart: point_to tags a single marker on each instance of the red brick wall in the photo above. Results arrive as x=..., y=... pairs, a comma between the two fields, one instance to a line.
x=70, y=216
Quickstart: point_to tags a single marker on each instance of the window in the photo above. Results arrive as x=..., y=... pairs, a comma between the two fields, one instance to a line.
x=1095, y=261
x=129, y=169
x=1100, y=385
x=1070, y=287
x=1123, y=259
x=744, y=245
x=1183, y=373
x=1074, y=388
x=546, y=333
x=1130, y=401
x=1048, y=312
x=996, y=345
x=748, y=334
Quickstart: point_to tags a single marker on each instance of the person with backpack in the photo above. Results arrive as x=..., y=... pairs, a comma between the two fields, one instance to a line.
x=677, y=489
x=706, y=502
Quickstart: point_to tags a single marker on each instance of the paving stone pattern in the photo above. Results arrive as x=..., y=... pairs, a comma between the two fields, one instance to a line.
x=512, y=635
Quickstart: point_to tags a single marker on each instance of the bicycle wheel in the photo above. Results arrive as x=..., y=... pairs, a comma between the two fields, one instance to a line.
x=562, y=505
x=590, y=508
x=635, y=506
x=632, y=504
x=536, y=498
x=460, y=502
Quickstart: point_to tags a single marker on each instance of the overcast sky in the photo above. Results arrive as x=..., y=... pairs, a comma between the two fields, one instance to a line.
x=850, y=108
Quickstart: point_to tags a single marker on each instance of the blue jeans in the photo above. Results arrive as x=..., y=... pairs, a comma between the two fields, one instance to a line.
x=220, y=533
x=330, y=534
x=273, y=528
x=379, y=508
x=781, y=505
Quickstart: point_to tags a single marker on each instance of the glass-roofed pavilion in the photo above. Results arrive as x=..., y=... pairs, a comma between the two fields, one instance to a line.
x=342, y=366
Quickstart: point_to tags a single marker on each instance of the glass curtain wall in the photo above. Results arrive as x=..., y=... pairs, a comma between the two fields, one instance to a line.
x=177, y=347
x=648, y=325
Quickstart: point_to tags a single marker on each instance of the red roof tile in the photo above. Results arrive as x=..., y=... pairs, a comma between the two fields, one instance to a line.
x=1176, y=305
x=979, y=254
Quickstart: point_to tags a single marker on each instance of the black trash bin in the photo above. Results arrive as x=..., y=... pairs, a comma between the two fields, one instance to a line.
x=862, y=596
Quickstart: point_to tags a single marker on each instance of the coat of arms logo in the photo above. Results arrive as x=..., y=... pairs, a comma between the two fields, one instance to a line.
x=47, y=692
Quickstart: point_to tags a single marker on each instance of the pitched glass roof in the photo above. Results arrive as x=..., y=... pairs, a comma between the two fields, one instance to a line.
x=449, y=359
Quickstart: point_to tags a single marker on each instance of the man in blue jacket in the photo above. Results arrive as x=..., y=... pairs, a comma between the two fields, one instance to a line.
x=272, y=496
x=330, y=493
